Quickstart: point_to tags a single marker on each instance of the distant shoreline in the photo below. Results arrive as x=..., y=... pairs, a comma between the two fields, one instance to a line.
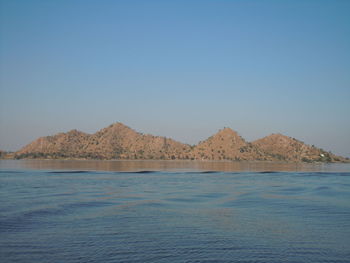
x=174, y=160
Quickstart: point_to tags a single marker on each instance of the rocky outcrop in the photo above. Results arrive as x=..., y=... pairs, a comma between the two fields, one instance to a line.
x=61, y=145
x=281, y=147
x=226, y=145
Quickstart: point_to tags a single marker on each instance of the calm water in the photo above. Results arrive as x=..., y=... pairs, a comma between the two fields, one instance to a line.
x=70, y=211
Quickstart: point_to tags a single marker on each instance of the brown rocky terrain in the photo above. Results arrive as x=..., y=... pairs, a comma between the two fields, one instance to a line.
x=114, y=142
x=121, y=142
x=70, y=144
x=226, y=145
x=281, y=147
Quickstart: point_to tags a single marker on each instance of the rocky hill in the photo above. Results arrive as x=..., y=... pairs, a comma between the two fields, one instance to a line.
x=226, y=145
x=114, y=142
x=61, y=145
x=281, y=147
x=121, y=142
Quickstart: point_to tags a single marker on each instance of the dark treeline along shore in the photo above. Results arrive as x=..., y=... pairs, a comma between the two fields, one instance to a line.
x=118, y=141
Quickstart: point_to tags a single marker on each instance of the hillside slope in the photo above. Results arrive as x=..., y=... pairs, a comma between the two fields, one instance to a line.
x=281, y=147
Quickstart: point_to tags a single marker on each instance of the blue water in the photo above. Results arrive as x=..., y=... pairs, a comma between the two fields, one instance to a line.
x=97, y=216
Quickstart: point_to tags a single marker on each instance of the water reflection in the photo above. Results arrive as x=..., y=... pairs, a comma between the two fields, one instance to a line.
x=155, y=165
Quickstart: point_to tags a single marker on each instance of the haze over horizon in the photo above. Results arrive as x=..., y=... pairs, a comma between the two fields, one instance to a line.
x=180, y=69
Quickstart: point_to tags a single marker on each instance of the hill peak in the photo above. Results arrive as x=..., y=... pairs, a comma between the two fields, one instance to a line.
x=75, y=132
x=118, y=125
x=276, y=138
x=226, y=132
x=115, y=128
x=226, y=144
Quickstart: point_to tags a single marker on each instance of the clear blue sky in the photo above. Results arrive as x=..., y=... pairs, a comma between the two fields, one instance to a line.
x=181, y=69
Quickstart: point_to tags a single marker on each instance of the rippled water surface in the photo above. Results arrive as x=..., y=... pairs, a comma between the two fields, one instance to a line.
x=51, y=214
